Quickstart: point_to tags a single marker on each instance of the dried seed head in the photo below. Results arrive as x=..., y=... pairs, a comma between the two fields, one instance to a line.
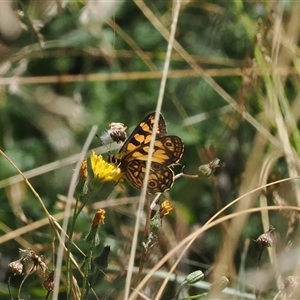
x=16, y=267
x=267, y=239
x=208, y=169
x=30, y=255
x=48, y=283
x=115, y=133
x=26, y=255
x=292, y=287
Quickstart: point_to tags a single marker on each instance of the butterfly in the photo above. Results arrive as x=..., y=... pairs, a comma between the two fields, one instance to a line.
x=133, y=154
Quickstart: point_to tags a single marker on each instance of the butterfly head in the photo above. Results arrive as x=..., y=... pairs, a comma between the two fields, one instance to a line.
x=112, y=159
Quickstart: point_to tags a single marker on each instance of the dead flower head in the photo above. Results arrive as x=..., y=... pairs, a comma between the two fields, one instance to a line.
x=16, y=267
x=268, y=238
x=292, y=287
x=99, y=218
x=48, y=283
x=115, y=133
x=208, y=169
x=28, y=255
x=83, y=169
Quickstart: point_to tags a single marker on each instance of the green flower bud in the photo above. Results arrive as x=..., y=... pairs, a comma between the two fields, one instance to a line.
x=194, y=277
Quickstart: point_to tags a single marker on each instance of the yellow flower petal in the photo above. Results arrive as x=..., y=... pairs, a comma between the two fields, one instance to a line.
x=165, y=208
x=104, y=171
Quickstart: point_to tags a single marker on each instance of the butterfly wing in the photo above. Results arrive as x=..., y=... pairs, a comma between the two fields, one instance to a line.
x=167, y=151
x=161, y=177
x=133, y=155
x=142, y=133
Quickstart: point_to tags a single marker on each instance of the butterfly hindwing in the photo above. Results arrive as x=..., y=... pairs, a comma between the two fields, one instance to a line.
x=161, y=177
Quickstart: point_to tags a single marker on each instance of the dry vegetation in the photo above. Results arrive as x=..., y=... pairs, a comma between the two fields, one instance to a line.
x=224, y=74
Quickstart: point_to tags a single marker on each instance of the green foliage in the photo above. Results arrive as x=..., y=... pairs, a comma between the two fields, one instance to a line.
x=46, y=116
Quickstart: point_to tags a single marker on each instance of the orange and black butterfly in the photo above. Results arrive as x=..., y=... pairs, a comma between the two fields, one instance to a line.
x=132, y=157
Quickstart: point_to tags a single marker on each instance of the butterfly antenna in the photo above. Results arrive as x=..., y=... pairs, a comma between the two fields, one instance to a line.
x=118, y=181
x=108, y=148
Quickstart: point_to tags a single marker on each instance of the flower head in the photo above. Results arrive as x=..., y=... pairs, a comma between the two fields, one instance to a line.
x=267, y=239
x=165, y=208
x=115, y=133
x=208, y=169
x=16, y=267
x=194, y=277
x=48, y=283
x=104, y=171
x=99, y=218
x=83, y=173
x=93, y=236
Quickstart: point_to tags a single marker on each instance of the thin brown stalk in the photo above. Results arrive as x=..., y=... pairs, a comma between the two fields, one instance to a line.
x=203, y=73
x=22, y=282
x=29, y=185
x=9, y=289
x=144, y=251
x=171, y=39
x=190, y=239
x=145, y=58
x=141, y=75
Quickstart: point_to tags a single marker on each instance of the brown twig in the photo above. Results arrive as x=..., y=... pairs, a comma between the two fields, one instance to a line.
x=22, y=282
x=144, y=250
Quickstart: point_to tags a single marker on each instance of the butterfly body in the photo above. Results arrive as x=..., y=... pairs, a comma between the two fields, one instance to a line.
x=133, y=155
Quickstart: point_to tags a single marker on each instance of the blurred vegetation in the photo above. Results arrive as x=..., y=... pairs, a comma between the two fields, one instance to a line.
x=232, y=93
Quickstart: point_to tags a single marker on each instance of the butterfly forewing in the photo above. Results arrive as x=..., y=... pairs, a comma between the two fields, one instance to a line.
x=167, y=151
x=142, y=133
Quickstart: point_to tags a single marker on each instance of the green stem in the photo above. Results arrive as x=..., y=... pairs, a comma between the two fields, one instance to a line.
x=87, y=269
x=194, y=297
x=77, y=211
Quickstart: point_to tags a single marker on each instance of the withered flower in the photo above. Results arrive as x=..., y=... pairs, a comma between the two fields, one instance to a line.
x=99, y=218
x=48, y=283
x=115, y=133
x=266, y=239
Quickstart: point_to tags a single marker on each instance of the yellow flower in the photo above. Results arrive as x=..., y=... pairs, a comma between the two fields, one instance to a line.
x=104, y=171
x=165, y=208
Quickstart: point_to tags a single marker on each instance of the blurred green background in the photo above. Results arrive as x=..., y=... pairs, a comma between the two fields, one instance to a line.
x=47, y=111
